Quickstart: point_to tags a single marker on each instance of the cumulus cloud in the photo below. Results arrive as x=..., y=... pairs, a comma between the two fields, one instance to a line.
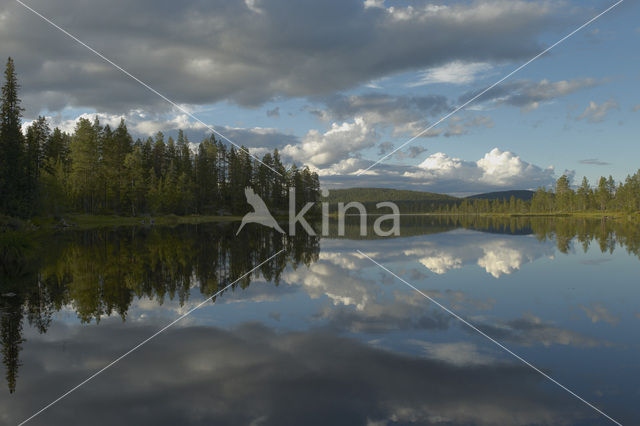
x=249, y=52
x=595, y=113
x=442, y=263
x=338, y=143
x=497, y=255
x=497, y=169
x=259, y=140
x=138, y=122
x=500, y=258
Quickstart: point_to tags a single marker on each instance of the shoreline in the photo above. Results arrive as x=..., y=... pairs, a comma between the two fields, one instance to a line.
x=86, y=221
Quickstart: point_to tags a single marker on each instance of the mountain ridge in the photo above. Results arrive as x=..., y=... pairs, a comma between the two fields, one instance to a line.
x=371, y=195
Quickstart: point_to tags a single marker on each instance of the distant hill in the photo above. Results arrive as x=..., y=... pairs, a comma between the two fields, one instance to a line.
x=376, y=195
x=522, y=194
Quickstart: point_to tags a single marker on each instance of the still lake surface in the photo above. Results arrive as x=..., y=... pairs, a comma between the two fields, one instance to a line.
x=320, y=334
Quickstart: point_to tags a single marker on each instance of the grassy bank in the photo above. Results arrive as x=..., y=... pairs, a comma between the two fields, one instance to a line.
x=86, y=221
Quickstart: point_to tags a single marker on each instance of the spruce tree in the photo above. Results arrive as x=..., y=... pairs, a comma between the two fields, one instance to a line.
x=12, y=173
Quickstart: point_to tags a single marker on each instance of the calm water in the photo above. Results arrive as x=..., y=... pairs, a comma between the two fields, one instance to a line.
x=321, y=335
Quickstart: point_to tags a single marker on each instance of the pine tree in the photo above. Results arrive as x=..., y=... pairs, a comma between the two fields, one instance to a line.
x=85, y=176
x=12, y=171
x=37, y=136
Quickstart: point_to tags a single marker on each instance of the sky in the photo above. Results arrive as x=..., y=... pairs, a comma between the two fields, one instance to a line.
x=338, y=84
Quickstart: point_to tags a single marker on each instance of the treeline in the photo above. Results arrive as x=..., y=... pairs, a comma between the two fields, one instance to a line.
x=99, y=170
x=607, y=196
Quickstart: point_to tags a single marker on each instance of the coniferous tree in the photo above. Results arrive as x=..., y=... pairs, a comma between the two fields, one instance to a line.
x=38, y=133
x=12, y=170
x=85, y=171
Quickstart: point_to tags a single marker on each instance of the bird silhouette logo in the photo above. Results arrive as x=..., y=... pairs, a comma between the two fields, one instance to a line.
x=260, y=213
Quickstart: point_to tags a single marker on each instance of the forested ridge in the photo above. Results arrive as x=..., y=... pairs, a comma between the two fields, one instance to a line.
x=606, y=196
x=100, y=170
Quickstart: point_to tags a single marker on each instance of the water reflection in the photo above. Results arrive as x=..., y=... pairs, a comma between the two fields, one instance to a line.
x=252, y=375
x=319, y=335
x=99, y=273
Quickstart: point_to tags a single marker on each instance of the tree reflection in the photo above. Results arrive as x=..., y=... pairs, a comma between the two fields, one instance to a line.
x=101, y=273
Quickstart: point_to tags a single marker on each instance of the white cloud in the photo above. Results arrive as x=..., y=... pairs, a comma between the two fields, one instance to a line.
x=500, y=259
x=595, y=113
x=374, y=3
x=597, y=312
x=456, y=353
x=499, y=169
x=441, y=264
x=335, y=145
x=456, y=72
x=137, y=122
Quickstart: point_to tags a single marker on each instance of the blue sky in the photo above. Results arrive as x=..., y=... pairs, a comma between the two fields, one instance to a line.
x=339, y=85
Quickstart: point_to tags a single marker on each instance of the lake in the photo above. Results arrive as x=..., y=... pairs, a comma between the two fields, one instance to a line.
x=321, y=334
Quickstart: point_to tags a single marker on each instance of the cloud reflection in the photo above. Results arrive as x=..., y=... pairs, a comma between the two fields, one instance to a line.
x=252, y=375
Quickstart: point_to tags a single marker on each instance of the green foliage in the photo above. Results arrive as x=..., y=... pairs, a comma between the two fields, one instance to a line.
x=13, y=179
x=101, y=272
x=607, y=197
x=97, y=170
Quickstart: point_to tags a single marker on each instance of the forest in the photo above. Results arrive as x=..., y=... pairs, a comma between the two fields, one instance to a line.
x=102, y=170
x=607, y=196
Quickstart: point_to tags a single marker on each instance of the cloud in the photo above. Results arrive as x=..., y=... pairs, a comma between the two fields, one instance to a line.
x=411, y=152
x=250, y=52
x=528, y=95
x=457, y=353
x=384, y=147
x=275, y=112
x=497, y=169
x=500, y=259
x=336, y=144
x=405, y=114
x=441, y=264
x=253, y=375
x=594, y=162
x=140, y=124
x=460, y=125
x=258, y=137
x=595, y=113
x=531, y=330
x=636, y=108
x=455, y=72
x=597, y=312
x=497, y=255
